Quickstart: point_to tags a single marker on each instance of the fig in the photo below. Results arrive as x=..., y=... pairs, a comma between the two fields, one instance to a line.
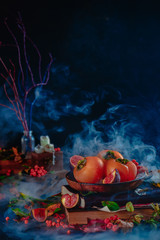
x=40, y=214
x=74, y=160
x=51, y=209
x=70, y=201
x=113, y=177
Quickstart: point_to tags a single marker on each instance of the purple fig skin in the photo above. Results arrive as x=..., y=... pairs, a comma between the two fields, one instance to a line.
x=117, y=177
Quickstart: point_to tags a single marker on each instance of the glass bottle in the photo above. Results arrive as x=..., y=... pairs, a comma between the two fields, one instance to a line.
x=27, y=142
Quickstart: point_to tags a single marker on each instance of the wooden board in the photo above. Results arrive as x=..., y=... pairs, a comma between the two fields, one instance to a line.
x=80, y=216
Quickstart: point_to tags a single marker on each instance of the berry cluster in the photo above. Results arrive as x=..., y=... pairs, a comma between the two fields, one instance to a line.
x=57, y=149
x=25, y=219
x=8, y=173
x=58, y=222
x=110, y=223
x=140, y=169
x=38, y=171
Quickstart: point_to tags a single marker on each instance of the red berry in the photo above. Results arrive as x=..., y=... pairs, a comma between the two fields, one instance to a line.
x=109, y=225
x=115, y=228
x=111, y=218
x=53, y=223
x=69, y=232
x=62, y=216
x=57, y=225
x=106, y=220
x=49, y=223
x=115, y=217
x=7, y=218
x=26, y=221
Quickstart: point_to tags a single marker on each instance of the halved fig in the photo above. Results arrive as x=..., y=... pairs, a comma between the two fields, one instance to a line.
x=51, y=209
x=40, y=214
x=70, y=201
x=74, y=160
x=113, y=177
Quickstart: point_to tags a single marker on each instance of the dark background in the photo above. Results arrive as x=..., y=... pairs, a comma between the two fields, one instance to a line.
x=105, y=77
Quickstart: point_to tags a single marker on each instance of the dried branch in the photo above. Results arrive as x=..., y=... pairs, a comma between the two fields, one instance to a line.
x=20, y=100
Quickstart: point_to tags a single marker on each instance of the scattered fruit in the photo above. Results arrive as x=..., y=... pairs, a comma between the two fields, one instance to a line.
x=74, y=161
x=40, y=214
x=89, y=170
x=70, y=201
x=37, y=171
x=113, y=177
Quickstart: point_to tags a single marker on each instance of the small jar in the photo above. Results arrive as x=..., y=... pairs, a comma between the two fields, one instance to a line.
x=27, y=142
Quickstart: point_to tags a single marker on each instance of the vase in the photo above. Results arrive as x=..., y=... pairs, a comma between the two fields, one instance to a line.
x=27, y=142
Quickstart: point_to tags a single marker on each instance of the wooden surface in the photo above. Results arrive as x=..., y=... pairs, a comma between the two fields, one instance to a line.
x=80, y=216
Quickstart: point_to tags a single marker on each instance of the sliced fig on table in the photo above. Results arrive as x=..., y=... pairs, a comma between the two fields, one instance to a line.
x=40, y=214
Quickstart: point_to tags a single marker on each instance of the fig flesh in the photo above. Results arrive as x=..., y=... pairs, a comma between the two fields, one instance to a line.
x=113, y=177
x=40, y=214
x=74, y=160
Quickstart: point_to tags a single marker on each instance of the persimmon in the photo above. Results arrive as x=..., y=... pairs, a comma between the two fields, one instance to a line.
x=89, y=170
x=109, y=154
x=126, y=169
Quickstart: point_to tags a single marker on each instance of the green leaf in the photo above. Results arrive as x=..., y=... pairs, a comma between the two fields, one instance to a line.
x=113, y=206
x=20, y=213
x=129, y=207
x=2, y=177
x=57, y=210
x=86, y=194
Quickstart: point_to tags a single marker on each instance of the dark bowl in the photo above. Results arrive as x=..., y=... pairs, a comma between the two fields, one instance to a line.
x=105, y=188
